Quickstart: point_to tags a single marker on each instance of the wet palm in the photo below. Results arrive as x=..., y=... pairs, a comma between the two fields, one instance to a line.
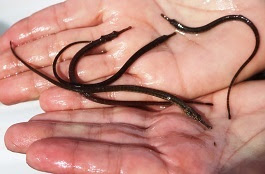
x=117, y=140
x=123, y=140
x=185, y=65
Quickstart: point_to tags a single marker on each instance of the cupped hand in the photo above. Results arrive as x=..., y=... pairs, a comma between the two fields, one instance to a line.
x=127, y=140
x=186, y=65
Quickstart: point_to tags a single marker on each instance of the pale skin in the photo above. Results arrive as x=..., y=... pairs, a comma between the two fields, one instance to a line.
x=129, y=140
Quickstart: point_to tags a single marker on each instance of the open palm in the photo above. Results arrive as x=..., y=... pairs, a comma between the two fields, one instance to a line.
x=186, y=65
x=127, y=140
x=123, y=140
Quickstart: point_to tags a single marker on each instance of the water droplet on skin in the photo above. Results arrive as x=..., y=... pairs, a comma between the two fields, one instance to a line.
x=35, y=58
x=61, y=103
x=77, y=167
x=20, y=64
x=114, y=17
x=120, y=51
x=4, y=67
x=80, y=73
x=66, y=20
x=63, y=164
x=52, y=54
x=55, y=47
x=148, y=77
x=95, y=169
x=9, y=66
x=24, y=89
x=7, y=76
x=34, y=30
x=42, y=84
x=40, y=29
x=162, y=107
x=23, y=35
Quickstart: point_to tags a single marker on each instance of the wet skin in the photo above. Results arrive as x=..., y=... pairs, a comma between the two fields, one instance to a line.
x=116, y=140
x=213, y=24
x=211, y=62
x=87, y=90
x=207, y=68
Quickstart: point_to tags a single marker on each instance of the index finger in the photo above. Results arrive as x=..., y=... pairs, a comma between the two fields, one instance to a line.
x=66, y=15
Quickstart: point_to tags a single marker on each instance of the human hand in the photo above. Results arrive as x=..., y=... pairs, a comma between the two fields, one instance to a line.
x=195, y=61
x=127, y=140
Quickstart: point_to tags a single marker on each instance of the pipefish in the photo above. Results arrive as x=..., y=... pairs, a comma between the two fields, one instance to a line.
x=213, y=24
x=88, y=90
x=92, y=44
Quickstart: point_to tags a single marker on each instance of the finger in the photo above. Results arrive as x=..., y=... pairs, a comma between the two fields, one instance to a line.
x=87, y=70
x=36, y=130
x=42, y=52
x=55, y=99
x=68, y=102
x=116, y=115
x=28, y=85
x=23, y=87
x=88, y=157
x=42, y=61
x=56, y=18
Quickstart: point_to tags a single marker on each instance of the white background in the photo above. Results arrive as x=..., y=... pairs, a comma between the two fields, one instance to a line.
x=10, y=12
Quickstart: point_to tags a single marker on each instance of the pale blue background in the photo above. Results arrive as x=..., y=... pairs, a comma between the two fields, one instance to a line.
x=10, y=12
